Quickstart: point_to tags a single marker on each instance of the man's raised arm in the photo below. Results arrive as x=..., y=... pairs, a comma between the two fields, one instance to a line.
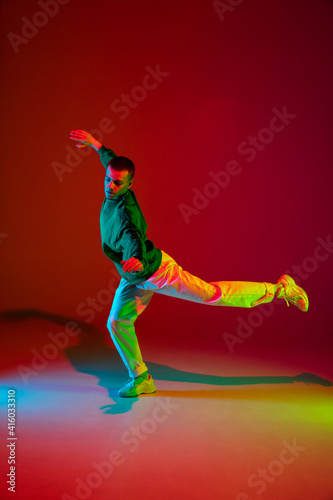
x=88, y=140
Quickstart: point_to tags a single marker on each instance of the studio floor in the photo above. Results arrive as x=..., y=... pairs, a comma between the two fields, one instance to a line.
x=219, y=427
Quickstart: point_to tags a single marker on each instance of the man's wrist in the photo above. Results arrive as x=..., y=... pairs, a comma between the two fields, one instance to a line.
x=96, y=145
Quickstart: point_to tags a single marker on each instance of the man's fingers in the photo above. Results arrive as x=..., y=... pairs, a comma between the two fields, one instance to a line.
x=79, y=145
x=126, y=265
x=137, y=268
x=131, y=268
x=74, y=138
x=131, y=265
x=78, y=135
x=78, y=131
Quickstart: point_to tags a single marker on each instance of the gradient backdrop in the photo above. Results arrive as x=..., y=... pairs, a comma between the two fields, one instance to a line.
x=226, y=110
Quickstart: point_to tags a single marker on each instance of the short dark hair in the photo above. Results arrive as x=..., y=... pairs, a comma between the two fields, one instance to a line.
x=122, y=163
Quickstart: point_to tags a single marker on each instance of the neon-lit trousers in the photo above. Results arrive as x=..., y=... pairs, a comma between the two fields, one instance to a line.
x=170, y=279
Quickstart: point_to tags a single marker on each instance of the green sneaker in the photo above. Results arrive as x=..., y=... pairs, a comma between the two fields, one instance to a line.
x=134, y=388
x=292, y=293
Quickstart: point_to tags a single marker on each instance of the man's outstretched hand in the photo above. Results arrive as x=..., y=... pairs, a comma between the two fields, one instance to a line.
x=85, y=138
x=132, y=265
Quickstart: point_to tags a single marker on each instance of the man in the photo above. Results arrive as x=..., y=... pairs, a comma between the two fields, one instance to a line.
x=146, y=270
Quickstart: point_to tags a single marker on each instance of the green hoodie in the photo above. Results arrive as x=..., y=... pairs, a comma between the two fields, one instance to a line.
x=123, y=231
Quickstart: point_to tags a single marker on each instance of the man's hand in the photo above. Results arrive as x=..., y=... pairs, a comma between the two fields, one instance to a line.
x=86, y=139
x=132, y=265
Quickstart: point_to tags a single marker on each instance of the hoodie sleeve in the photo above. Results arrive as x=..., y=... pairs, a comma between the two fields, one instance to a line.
x=105, y=155
x=132, y=244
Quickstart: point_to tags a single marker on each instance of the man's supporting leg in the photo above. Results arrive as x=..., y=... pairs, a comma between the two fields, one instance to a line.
x=127, y=304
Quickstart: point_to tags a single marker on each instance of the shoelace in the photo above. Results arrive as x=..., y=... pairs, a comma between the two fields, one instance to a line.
x=283, y=295
x=293, y=300
x=130, y=382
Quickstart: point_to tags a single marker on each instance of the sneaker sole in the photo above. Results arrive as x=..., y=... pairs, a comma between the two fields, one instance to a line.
x=137, y=394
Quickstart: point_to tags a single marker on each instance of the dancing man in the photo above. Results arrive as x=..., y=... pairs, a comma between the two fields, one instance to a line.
x=145, y=269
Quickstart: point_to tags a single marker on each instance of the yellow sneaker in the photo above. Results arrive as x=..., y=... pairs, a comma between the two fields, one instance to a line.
x=133, y=387
x=292, y=293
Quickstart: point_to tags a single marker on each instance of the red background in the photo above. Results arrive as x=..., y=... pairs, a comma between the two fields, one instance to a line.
x=225, y=77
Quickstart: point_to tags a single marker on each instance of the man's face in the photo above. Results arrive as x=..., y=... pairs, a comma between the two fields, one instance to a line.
x=116, y=183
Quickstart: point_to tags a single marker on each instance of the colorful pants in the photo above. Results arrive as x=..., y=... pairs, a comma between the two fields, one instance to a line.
x=170, y=279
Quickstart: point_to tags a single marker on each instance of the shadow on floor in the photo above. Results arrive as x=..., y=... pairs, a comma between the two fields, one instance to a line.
x=93, y=356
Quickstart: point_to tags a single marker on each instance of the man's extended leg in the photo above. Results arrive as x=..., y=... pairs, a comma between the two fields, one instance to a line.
x=171, y=279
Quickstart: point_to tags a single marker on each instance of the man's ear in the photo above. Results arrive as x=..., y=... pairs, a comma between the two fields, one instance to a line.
x=131, y=182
